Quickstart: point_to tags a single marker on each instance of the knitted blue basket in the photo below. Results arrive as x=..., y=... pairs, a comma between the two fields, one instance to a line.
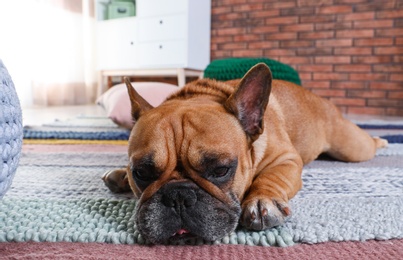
x=10, y=130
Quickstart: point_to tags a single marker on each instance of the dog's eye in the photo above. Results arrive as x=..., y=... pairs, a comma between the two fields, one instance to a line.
x=143, y=175
x=220, y=172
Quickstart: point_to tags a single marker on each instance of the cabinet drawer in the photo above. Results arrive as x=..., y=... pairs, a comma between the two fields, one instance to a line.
x=154, y=54
x=116, y=43
x=161, y=7
x=162, y=28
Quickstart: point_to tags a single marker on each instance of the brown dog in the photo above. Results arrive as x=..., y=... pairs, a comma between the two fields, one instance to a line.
x=218, y=153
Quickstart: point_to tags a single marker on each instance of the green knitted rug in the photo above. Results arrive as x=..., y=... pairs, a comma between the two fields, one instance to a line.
x=59, y=196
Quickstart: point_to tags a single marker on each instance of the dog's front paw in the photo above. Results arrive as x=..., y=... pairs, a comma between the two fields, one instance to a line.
x=116, y=180
x=262, y=213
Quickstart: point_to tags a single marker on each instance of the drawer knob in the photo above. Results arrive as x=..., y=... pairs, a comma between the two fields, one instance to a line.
x=161, y=22
x=160, y=46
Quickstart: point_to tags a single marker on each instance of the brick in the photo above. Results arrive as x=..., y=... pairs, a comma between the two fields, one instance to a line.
x=352, y=68
x=399, y=22
x=231, y=31
x=398, y=59
x=296, y=60
x=373, y=42
x=281, y=36
x=366, y=110
x=366, y=93
x=232, y=2
x=247, y=7
x=349, y=1
x=373, y=24
x=374, y=6
x=333, y=59
x=386, y=85
x=348, y=101
x=389, y=13
x=221, y=10
x=221, y=54
x=395, y=94
x=388, y=32
x=279, y=52
x=296, y=27
x=349, y=84
x=356, y=16
x=394, y=111
x=249, y=38
x=371, y=59
x=264, y=13
x=296, y=44
x=247, y=53
x=353, y=51
x=315, y=68
x=232, y=46
x=329, y=92
x=384, y=103
x=265, y=29
x=229, y=16
x=264, y=45
x=334, y=42
x=316, y=84
x=314, y=51
x=399, y=41
x=330, y=76
x=335, y=9
x=251, y=22
x=282, y=20
x=222, y=23
x=305, y=76
x=389, y=50
x=396, y=77
x=297, y=11
x=281, y=4
x=368, y=76
x=388, y=68
x=302, y=3
x=222, y=39
x=355, y=33
x=316, y=35
x=333, y=26
x=317, y=19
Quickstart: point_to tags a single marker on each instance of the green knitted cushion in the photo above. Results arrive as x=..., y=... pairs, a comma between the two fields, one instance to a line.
x=235, y=68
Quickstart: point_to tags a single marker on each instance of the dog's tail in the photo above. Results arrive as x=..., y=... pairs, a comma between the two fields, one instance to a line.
x=380, y=142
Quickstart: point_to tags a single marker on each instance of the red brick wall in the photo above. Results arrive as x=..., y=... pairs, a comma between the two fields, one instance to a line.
x=350, y=51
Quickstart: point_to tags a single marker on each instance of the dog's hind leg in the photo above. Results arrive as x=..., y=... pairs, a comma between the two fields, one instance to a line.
x=350, y=143
x=116, y=180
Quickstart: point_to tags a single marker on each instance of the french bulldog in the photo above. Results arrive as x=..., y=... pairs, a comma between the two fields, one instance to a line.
x=218, y=154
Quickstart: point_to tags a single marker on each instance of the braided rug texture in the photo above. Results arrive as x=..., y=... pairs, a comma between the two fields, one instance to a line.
x=10, y=130
x=60, y=197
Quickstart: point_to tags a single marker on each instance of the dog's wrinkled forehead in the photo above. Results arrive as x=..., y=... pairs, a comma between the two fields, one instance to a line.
x=177, y=131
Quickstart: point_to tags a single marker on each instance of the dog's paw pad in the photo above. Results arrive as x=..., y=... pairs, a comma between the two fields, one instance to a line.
x=260, y=214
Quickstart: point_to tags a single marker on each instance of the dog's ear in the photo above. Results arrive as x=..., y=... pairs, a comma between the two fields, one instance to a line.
x=138, y=103
x=249, y=101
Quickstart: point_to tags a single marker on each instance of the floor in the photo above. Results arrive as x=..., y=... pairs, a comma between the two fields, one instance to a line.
x=38, y=115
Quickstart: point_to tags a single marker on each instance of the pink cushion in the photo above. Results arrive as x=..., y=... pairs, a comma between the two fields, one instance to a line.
x=117, y=103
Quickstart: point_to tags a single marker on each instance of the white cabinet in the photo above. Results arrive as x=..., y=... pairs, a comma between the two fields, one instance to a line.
x=164, y=34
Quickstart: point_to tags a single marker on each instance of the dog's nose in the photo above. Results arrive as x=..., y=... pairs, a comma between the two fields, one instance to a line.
x=179, y=195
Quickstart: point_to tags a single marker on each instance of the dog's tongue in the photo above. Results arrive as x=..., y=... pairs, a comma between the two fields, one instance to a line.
x=182, y=231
